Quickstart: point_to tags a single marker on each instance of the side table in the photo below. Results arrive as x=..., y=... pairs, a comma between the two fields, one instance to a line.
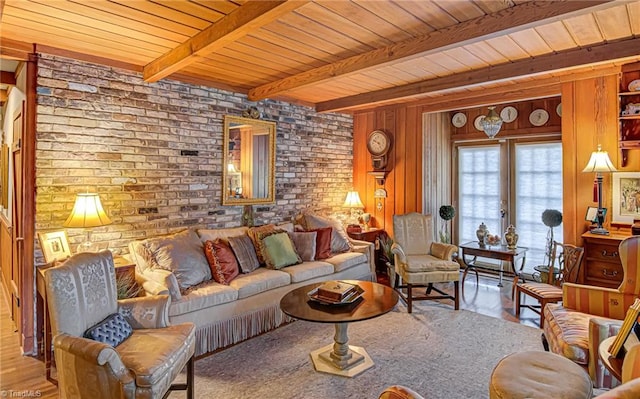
x=613, y=364
x=371, y=235
x=123, y=268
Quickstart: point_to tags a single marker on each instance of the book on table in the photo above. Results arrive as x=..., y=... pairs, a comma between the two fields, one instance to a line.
x=627, y=325
x=335, y=291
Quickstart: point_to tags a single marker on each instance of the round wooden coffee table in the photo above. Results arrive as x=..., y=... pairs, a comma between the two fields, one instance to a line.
x=340, y=358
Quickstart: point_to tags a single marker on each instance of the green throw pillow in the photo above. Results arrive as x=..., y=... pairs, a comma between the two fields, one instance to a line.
x=279, y=251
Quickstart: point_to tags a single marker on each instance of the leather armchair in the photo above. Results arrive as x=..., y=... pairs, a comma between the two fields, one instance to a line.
x=590, y=314
x=420, y=262
x=81, y=293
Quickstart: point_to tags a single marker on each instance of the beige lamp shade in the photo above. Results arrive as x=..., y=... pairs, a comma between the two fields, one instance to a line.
x=599, y=162
x=353, y=200
x=87, y=212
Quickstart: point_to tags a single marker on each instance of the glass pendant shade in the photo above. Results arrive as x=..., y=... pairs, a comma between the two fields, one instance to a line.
x=491, y=123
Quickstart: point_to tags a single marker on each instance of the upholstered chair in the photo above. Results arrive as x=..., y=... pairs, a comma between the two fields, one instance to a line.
x=590, y=314
x=421, y=262
x=81, y=294
x=567, y=269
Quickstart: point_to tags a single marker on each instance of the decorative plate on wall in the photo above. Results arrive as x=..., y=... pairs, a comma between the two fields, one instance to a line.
x=459, y=119
x=538, y=117
x=559, y=109
x=634, y=85
x=477, y=122
x=509, y=114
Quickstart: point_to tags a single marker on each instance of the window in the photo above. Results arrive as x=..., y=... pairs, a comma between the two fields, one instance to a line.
x=521, y=179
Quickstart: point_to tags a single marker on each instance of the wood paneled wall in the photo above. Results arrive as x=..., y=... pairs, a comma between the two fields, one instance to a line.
x=404, y=181
x=589, y=118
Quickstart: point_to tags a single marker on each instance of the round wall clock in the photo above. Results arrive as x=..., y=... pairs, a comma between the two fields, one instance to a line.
x=378, y=144
x=477, y=123
x=538, y=117
x=459, y=119
x=509, y=114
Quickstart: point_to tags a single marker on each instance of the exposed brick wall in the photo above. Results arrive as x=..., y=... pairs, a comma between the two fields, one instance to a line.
x=105, y=130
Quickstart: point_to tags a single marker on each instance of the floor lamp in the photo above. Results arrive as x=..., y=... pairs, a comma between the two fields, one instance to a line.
x=599, y=163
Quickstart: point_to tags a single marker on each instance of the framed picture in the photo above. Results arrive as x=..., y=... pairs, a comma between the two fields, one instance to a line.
x=592, y=214
x=55, y=245
x=626, y=197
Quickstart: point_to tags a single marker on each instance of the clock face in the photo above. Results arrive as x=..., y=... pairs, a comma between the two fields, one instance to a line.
x=378, y=143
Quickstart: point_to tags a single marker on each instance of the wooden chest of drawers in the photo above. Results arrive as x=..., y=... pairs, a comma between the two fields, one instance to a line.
x=601, y=264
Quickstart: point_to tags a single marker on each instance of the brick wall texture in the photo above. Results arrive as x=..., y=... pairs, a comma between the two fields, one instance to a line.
x=105, y=130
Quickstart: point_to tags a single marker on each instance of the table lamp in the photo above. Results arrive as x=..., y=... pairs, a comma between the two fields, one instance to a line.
x=353, y=202
x=599, y=163
x=87, y=212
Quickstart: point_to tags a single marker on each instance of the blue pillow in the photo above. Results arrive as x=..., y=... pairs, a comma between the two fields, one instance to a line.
x=112, y=331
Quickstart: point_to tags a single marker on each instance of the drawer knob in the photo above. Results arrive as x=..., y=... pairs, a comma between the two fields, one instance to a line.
x=611, y=255
x=607, y=274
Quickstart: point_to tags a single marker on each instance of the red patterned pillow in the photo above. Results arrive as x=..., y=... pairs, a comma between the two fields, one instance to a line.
x=222, y=261
x=323, y=242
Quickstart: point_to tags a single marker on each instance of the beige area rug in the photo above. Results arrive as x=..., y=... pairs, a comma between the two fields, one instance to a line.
x=438, y=352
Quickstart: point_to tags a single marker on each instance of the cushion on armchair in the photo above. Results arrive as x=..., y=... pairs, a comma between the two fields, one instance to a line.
x=112, y=331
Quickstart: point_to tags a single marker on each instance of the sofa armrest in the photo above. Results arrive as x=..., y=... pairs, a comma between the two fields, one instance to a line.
x=166, y=279
x=367, y=248
x=442, y=250
x=146, y=311
x=597, y=301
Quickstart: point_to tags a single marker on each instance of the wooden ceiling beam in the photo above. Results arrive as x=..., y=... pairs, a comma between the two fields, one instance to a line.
x=15, y=50
x=526, y=67
x=523, y=16
x=8, y=78
x=245, y=19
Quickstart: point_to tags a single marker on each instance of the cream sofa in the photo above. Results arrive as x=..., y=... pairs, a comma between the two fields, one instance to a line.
x=249, y=304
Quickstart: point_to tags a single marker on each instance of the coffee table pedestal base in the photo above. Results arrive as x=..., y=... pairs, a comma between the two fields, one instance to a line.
x=324, y=362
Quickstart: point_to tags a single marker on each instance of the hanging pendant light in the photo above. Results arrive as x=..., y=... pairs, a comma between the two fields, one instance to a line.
x=491, y=123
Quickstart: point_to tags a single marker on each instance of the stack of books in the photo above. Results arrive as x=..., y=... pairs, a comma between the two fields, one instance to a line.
x=335, y=291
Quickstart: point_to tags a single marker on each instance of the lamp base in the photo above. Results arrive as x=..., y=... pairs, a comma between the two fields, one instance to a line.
x=600, y=230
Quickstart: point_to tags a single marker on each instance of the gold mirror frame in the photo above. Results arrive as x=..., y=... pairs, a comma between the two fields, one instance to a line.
x=250, y=146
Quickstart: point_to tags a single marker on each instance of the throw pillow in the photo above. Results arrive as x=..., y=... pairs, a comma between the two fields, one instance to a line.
x=323, y=243
x=113, y=330
x=339, y=239
x=257, y=234
x=182, y=254
x=305, y=244
x=279, y=251
x=245, y=253
x=222, y=261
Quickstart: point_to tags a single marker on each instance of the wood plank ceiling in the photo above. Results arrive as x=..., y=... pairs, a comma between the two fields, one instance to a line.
x=335, y=54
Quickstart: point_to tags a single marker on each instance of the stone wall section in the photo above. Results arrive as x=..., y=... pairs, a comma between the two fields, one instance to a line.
x=153, y=151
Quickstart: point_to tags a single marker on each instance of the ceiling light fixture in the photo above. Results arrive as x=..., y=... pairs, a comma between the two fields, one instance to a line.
x=491, y=123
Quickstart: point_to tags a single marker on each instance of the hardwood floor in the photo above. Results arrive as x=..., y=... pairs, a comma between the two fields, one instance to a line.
x=24, y=375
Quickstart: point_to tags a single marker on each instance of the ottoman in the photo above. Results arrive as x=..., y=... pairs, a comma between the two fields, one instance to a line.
x=537, y=375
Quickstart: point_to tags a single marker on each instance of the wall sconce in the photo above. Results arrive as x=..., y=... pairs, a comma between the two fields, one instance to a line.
x=379, y=194
x=87, y=212
x=353, y=201
x=599, y=163
x=491, y=123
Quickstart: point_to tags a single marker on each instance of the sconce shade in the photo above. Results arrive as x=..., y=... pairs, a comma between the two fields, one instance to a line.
x=491, y=123
x=353, y=200
x=87, y=212
x=599, y=162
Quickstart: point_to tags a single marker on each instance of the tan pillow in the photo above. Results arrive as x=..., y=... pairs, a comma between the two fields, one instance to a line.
x=305, y=244
x=245, y=252
x=339, y=239
x=182, y=254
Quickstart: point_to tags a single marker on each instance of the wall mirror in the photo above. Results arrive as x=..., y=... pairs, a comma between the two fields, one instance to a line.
x=249, y=161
